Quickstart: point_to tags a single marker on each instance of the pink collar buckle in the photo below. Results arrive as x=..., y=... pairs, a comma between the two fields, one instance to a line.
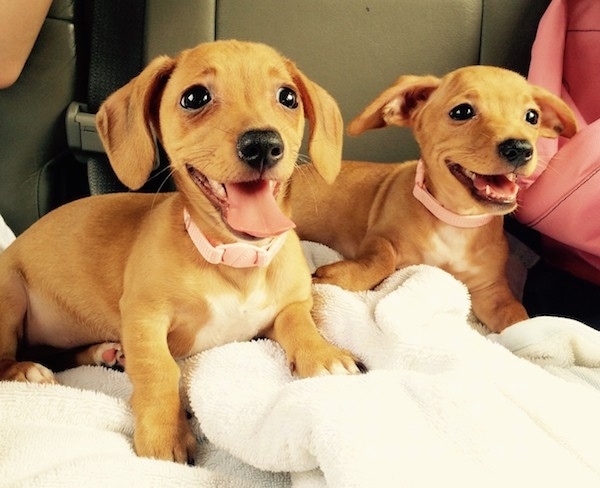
x=237, y=254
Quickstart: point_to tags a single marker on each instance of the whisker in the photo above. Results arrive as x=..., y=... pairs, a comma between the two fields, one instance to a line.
x=552, y=167
x=161, y=172
x=302, y=159
x=303, y=171
x=158, y=191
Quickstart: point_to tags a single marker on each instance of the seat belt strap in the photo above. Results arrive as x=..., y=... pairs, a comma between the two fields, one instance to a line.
x=116, y=56
x=117, y=47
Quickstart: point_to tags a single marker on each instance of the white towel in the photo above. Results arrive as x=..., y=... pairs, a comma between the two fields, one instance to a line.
x=54, y=435
x=441, y=405
x=563, y=347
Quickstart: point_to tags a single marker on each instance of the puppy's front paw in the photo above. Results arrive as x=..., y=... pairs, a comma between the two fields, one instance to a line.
x=346, y=274
x=168, y=442
x=331, y=274
x=324, y=360
x=25, y=371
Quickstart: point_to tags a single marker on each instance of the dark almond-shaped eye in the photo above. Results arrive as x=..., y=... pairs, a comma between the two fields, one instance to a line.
x=287, y=97
x=464, y=111
x=532, y=117
x=195, y=97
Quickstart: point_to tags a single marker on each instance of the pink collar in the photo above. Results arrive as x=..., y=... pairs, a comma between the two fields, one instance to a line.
x=436, y=208
x=236, y=255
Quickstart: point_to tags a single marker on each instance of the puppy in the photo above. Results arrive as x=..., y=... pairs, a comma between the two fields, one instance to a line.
x=476, y=128
x=172, y=274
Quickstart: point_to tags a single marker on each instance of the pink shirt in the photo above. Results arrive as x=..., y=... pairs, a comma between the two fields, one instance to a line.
x=562, y=198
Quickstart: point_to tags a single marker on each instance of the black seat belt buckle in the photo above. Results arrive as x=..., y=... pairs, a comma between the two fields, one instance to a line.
x=82, y=136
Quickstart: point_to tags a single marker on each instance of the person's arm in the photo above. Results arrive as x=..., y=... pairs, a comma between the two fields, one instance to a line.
x=20, y=24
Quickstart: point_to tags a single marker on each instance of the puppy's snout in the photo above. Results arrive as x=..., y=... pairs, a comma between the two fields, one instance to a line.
x=516, y=151
x=260, y=149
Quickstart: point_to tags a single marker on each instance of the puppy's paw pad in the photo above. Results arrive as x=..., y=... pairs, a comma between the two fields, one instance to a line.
x=110, y=355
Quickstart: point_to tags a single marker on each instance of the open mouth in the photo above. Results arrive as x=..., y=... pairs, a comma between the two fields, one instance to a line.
x=499, y=189
x=248, y=208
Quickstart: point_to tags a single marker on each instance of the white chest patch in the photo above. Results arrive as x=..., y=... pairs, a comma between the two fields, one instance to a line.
x=235, y=318
x=449, y=251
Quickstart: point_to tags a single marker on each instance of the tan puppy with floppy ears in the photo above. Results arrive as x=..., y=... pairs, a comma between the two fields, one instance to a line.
x=476, y=129
x=173, y=274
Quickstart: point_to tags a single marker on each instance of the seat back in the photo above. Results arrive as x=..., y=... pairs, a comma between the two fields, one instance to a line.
x=352, y=48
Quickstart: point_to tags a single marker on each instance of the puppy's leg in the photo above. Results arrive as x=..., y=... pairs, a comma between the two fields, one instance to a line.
x=13, y=307
x=308, y=353
x=161, y=428
x=496, y=307
x=375, y=261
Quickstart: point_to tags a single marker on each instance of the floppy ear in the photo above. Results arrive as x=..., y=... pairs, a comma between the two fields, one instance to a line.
x=557, y=118
x=326, y=125
x=395, y=105
x=125, y=121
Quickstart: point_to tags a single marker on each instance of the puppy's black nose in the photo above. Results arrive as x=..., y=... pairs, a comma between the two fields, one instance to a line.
x=516, y=151
x=260, y=149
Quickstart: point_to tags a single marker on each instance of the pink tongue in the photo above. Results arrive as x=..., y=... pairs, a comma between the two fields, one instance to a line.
x=500, y=186
x=253, y=210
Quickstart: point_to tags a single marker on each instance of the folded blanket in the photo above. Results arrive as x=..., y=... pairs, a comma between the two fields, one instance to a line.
x=563, y=347
x=442, y=405
x=71, y=436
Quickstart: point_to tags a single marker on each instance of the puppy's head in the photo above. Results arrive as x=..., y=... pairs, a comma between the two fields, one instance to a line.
x=230, y=116
x=476, y=128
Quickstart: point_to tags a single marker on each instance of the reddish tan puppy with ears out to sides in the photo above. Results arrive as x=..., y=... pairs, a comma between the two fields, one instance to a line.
x=172, y=274
x=476, y=128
